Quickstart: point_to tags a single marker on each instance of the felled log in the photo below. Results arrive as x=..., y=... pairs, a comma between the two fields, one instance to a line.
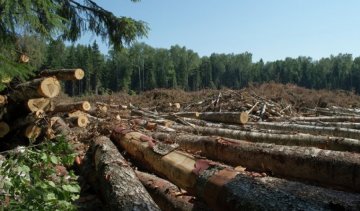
x=59, y=126
x=41, y=87
x=353, y=125
x=23, y=58
x=223, y=188
x=194, y=115
x=4, y=129
x=117, y=181
x=64, y=74
x=45, y=104
x=316, y=130
x=3, y=100
x=324, y=119
x=332, y=168
x=78, y=121
x=69, y=107
x=225, y=117
x=167, y=195
x=32, y=132
x=323, y=142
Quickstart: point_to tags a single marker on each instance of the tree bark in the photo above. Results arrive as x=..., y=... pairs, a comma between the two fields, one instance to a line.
x=69, y=107
x=315, y=130
x=64, y=74
x=37, y=88
x=223, y=188
x=166, y=195
x=323, y=142
x=116, y=180
x=331, y=168
x=225, y=117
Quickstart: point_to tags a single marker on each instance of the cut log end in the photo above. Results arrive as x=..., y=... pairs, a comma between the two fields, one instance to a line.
x=79, y=74
x=49, y=87
x=24, y=58
x=3, y=100
x=32, y=132
x=244, y=117
x=40, y=104
x=82, y=121
x=4, y=129
x=86, y=106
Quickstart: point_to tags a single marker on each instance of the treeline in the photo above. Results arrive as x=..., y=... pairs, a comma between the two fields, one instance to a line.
x=142, y=67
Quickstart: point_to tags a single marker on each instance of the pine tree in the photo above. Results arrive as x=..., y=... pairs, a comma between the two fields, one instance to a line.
x=53, y=19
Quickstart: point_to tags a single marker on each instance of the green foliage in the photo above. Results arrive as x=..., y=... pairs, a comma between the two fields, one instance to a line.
x=30, y=179
x=53, y=20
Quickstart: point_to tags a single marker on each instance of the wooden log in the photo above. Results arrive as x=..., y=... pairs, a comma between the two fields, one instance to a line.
x=60, y=127
x=70, y=107
x=64, y=74
x=323, y=119
x=225, y=117
x=45, y=104
x=117, y=181
x=32, y=132
x=329, y=168
x=3, y=100
x=78, y=121
x=194, y=115
x=353, y=125
x=37, y=88
x=4, y=129
x=323, y=142
x=23, y=58
x=316, y=130
x=167, y=195
x=223, y=188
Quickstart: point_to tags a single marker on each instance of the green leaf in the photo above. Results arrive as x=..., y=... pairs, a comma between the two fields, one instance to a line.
x=54, y=159
x=71, y=188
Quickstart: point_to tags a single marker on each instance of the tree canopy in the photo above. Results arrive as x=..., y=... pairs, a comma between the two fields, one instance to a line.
x=58, y=19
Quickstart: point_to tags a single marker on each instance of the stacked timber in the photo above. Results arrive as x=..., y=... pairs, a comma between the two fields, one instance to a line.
x=26, y=108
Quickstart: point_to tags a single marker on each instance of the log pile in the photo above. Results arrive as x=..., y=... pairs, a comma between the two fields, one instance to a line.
x=26, y=108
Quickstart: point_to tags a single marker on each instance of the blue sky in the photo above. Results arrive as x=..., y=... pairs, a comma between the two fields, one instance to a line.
x=269, y=29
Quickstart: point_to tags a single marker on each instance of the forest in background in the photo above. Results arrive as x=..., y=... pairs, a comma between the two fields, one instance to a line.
x=141, y=67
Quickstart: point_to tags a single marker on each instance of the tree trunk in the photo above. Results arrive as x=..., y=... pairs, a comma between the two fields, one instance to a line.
x=315, y=130
x=225, y=189
x=117, y=181
x=37, y=88
x=225, y=117
x=167, y=195
x=68, y=107
x=333, y=168
x=323, y=142
x=64, y=74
